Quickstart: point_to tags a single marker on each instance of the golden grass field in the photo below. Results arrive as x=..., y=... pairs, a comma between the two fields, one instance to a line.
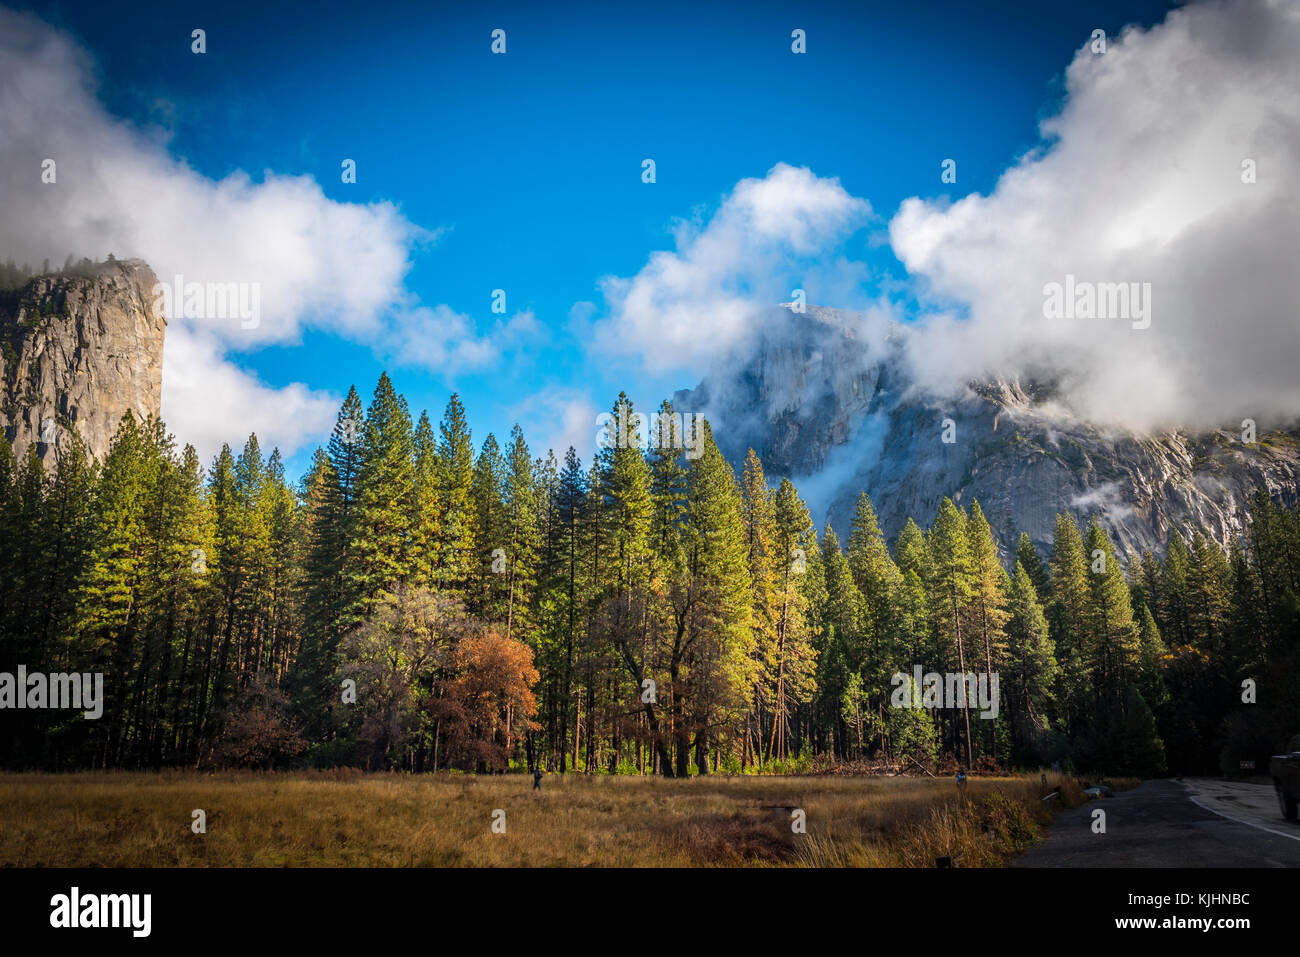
x=128, y=819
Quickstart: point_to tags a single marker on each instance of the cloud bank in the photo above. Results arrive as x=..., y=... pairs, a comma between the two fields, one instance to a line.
x=320, y=264
x=1141, y=177
x=768, y=237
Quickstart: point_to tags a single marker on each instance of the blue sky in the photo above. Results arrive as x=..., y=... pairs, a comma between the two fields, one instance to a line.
x=527, y=166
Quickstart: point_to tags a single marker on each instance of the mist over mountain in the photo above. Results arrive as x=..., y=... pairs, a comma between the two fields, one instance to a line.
x=825, y=397
x=829, y=400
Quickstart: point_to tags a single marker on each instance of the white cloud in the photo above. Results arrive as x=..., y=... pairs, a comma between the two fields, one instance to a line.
x=319, y=263
x=523, y=328
x=438, y=337
x=118, y=189
x=208, y=402
x=1139, y=180
x=558, y=417
x=1106, y=498
x=767, y=237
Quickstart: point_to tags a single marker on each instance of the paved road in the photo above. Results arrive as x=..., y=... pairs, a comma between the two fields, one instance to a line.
x=1193, y=822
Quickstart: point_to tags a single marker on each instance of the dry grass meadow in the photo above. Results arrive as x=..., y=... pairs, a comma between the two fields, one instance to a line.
x=348, y=819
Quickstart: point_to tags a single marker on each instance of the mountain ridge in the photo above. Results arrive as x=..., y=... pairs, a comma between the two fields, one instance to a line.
x=840, y=415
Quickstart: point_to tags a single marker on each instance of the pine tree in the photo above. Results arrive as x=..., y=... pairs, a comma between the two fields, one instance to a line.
x=424, y=504
x=1246, y=625
x=1065, y=614
x=106, y=627
x=768, y=691
x=910, y=551
x=873, y=569
x=489, y=531
x=1150, y=664
x=1027, y=555
x=189, y=614
x=522, y=542
x=915, y=632
x=1173, y=615
x=719, y=635
x=1140, y=745
x=1146, y=584
x=912, y=557
x=952, y=587
x=454, y=544
x=791, y=665
x=878, y=579
x=27, y=554
x=284, y=559
x=379, y=557
x=988, y=597
x=1032, y=658
x=65, y=528
x=312, y=666
x=1208, y=596
x=844, y=624
x=668, y=490
x=170, y=596
x=912, y=730
x=10, y=564
x=568, y=588
x=626, y=481
x=1110, y=639
x=330, y=494
x=244, y=556
x=621, y=511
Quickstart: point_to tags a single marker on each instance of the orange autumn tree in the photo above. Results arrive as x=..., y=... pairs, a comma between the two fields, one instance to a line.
x=489, y=705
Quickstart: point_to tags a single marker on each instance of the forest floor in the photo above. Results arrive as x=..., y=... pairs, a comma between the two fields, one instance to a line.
x=348, y=818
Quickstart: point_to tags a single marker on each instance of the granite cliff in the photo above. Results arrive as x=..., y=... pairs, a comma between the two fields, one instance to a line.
x=839, y=416
x=77, y=350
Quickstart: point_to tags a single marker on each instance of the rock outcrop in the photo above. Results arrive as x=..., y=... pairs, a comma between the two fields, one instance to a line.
x=77, y=350
x=840, y=417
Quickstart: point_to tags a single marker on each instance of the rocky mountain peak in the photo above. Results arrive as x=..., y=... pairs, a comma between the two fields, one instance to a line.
x=78, y=348
x=839, y=416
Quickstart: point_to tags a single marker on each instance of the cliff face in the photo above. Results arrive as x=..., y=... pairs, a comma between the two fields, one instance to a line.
x=838, y=417
x=77, y=351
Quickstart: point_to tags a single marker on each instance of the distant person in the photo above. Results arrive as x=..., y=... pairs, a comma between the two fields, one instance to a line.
x=961, y=781
x=537, y=779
